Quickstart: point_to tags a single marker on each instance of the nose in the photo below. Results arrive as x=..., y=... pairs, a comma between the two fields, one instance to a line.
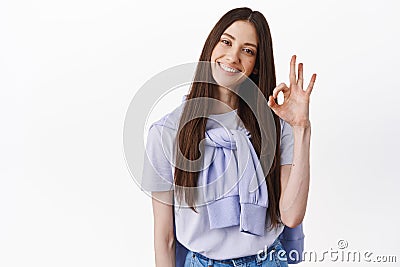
x=233, y=55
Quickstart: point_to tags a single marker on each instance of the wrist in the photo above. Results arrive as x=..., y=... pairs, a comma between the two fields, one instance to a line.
x=302, y=125
x=302, y=133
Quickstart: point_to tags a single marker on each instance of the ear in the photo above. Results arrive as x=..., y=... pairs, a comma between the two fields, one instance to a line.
x=255, y=71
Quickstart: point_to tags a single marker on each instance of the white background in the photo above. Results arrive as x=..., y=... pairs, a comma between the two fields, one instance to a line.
x=69, y=69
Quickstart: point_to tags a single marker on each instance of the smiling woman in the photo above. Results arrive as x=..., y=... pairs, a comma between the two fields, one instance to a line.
x=234, y=55
x=195, y=211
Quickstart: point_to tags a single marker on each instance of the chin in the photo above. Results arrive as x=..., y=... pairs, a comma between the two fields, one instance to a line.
x=227, y=84
x=225, y=81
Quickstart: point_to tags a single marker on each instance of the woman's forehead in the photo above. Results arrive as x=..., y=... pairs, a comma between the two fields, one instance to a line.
x=242, y=31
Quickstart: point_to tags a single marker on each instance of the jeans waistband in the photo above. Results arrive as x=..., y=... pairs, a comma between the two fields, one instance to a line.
x=241, y=260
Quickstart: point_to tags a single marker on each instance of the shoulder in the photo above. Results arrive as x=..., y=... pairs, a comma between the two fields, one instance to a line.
x=168, y=121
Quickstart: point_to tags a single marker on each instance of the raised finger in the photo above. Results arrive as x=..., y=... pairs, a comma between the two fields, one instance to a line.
x=300, y=76
x=292, y=74
x=311, y=85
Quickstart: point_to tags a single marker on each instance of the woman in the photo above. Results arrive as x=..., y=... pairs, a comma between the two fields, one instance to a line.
x=229, y=225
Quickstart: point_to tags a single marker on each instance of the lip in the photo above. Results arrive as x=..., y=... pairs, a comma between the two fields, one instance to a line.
x=230, y=66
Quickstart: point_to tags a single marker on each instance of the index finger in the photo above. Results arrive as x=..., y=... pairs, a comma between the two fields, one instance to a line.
x=292, y=74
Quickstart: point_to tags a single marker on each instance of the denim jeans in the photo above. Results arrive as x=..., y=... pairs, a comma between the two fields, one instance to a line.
x=275, y=256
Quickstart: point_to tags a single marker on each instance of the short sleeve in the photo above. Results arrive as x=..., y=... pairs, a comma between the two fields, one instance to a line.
x=157, y=169
x=287, y=143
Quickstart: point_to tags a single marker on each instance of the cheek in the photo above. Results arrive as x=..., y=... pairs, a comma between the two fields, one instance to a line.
x=252, y=62
x=250, y=65
x=216, y=53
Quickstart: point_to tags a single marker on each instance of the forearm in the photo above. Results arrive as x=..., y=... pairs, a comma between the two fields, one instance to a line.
x=164, y=237
x=293, y=201
x=165, y=253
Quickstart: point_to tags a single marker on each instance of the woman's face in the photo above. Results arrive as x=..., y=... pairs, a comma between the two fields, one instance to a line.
x=234, y=56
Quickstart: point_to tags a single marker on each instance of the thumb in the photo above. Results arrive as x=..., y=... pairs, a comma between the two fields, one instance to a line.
x=272, y=104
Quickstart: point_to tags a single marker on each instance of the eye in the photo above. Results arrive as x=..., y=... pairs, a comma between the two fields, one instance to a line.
x=249, y=51
x=226, y=42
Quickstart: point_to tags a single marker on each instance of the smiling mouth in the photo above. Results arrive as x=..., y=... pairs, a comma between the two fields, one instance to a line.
x=227, y=68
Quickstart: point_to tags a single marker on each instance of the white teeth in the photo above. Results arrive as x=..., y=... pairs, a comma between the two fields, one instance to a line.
x=229, y=69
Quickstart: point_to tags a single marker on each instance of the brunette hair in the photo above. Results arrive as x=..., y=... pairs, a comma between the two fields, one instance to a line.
x=193, y=131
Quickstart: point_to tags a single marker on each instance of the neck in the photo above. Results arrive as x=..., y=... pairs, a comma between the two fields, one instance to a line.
x=228, y=98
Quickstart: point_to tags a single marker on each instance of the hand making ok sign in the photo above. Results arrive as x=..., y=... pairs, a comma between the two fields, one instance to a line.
x=295, y=108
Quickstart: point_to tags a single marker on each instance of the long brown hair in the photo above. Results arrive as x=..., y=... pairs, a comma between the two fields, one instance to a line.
x=193, y=131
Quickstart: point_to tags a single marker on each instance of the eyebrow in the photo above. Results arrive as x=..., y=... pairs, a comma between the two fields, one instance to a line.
x=233, y=38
